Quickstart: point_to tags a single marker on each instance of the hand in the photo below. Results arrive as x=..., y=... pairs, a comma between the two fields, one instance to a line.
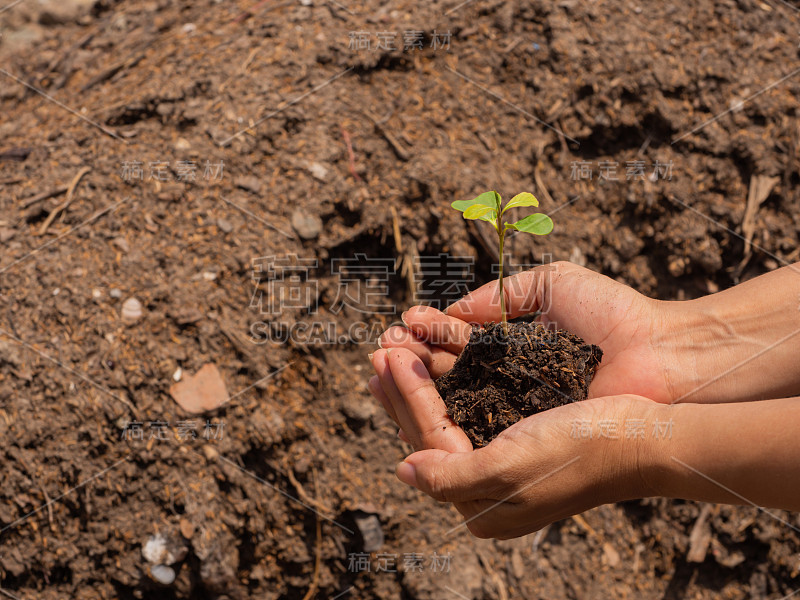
x=538, y=471
x=629, y=327
x=535, y=472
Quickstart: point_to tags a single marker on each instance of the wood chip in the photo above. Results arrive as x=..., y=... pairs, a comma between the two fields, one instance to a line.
x=760, y=189
x=700, y=537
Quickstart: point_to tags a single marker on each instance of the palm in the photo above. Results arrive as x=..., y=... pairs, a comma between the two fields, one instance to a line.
x=630, y=364
x=598, y=309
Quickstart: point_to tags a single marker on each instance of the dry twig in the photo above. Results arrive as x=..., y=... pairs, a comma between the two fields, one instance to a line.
x=43, y=196
x=405, y=262
x=351, y=157
x=401, y=152
x=67, y=201
x=318, y=547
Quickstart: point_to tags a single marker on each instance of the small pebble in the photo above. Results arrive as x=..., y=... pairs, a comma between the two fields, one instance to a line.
x=307, y=226
x=210, y=452
x=122, y=244
x=120, y=23
x=187, y=529
x=611, y=556
x=163, y=574
x=358, y=407
x=224, y=225
x=250, y=183
x=318, y=170
x=176, y=376
x=371, y=531
x=6, y=234
x=204, y=391
x=115, y=293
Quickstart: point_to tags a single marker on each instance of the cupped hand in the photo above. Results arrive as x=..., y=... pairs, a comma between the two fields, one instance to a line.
x=624, y=323
x=535, y=472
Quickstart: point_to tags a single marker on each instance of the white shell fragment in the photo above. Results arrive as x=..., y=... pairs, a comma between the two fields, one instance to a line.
x=162, y=550
x=155, y=549
x=131, y=310
x=162, y=574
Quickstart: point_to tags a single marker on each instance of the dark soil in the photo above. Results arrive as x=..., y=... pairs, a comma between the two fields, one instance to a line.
x=498, y=380
x=171, y=82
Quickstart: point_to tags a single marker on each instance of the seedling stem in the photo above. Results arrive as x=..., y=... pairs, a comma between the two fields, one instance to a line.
x=489, y=207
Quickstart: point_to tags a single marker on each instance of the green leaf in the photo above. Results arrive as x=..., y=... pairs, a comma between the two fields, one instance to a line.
x=537, y=223
x=490, y=199
x=523, y=199
x=481, y=211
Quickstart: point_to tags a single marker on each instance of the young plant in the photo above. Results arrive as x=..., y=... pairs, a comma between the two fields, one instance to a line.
x=488, y=207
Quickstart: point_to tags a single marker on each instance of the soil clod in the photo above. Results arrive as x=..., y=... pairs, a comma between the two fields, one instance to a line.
x=498, y=380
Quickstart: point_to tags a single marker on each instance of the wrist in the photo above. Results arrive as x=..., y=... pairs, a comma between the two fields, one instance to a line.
x=685, y=333
x=733, y=346
x=627, y=463
x=667, y=429
x=739, y=453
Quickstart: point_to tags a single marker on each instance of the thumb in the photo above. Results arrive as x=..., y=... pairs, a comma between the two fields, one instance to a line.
x=526, y=292
x=572, y=297
x=450, y=476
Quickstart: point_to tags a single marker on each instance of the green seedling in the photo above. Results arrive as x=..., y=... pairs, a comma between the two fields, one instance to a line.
x=488, y=207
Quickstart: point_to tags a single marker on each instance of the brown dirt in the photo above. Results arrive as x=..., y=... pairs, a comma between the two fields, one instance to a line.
x=500, y=379
x=168, y=82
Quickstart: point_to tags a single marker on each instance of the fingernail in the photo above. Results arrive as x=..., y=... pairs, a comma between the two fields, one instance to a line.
x=407, y=473
x=369, y=356
x=380, y=345
x=403, y=318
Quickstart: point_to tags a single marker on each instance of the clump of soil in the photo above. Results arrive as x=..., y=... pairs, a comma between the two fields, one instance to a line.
x=498, y=380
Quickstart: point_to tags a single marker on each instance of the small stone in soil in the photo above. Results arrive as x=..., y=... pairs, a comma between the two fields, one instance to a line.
x=371, y=531
x=201, y=392
x=358, y=408
x=251, y=183
x=307, y=226
x=162, y=574
x=224, y=225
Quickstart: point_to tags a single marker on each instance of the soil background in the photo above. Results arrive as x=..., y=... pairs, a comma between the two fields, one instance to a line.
x=308, y=145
